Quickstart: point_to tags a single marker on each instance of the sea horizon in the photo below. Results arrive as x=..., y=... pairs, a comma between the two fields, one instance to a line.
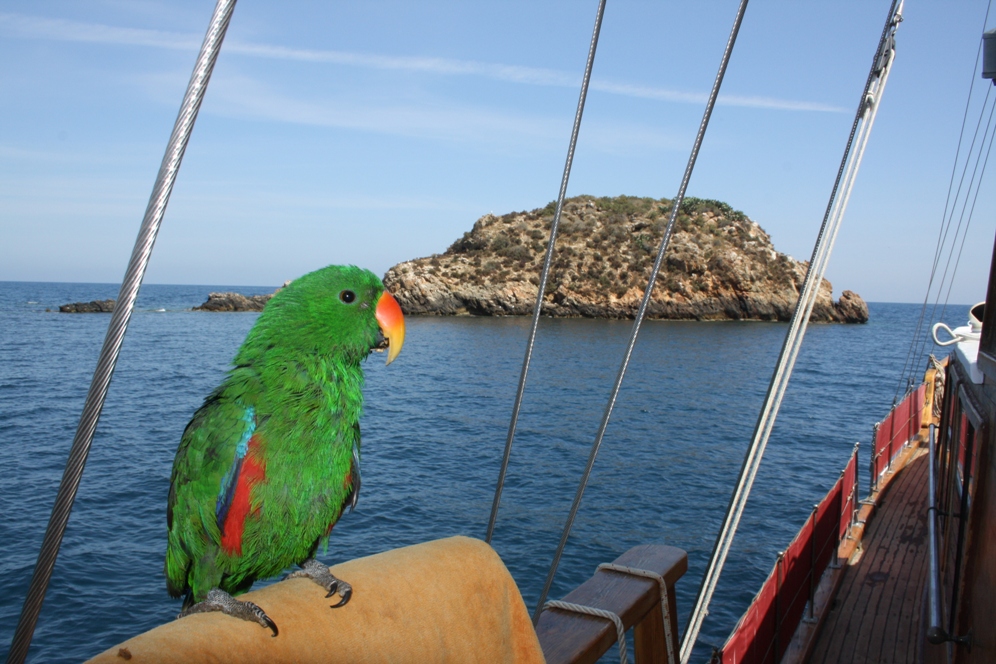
x=257, y=287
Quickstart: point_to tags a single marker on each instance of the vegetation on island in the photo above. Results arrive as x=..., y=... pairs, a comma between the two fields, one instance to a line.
x=720, y=265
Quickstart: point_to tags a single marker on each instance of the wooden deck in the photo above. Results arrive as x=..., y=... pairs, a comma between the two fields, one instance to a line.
x=876, y=616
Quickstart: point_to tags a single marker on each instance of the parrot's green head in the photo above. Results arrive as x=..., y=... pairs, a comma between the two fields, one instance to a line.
x=335, y=310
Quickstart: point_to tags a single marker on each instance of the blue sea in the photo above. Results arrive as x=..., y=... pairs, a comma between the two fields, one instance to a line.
x=433, y=432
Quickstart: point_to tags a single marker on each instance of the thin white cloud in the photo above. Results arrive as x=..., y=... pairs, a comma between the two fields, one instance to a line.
x=443, y=66
x=112, y=198
x=247, y=98
x=213, y=197
x=663, y=94
x=64, y=30
x=37, y=27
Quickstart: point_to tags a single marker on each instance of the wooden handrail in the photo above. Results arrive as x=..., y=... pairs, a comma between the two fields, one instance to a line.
x=572, y=637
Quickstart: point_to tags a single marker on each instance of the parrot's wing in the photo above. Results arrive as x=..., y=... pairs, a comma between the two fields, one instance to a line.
x=233, y=503
x=213, y=472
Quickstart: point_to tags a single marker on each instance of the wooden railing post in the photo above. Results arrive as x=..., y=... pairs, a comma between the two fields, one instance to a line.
x=572, y=637
x=648, y=637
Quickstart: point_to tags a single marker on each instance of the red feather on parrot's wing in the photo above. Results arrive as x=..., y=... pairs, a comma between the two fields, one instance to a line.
x=234, y=500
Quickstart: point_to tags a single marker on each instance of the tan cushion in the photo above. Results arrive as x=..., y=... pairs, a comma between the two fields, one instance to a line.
x=450, y=600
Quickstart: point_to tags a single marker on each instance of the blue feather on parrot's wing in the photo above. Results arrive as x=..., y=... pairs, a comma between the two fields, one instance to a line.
x=228, y=483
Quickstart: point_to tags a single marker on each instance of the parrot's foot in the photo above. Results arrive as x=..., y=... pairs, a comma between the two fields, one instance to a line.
x=321, y=575
x=219, y=600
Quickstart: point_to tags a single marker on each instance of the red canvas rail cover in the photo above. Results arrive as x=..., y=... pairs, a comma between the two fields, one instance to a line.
x=764, y=631
x=900, y=426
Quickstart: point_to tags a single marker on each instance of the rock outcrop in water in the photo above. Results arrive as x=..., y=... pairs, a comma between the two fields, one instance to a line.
x=92, y=307
x=720, y=266
x=234, y=302
x=237, y=302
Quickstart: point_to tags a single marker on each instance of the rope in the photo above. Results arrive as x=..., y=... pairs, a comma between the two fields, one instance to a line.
x=117, y=327
x=665, y=608
x=641, y=313
x=544, y=275
x=598, y=613
x=846, y=174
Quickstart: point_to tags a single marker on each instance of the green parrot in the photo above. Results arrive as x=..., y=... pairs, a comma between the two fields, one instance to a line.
x=269, y=462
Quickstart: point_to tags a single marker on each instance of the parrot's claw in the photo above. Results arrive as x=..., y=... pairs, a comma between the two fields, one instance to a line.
x=345, y=591
x=219, y=600
x=321, y=575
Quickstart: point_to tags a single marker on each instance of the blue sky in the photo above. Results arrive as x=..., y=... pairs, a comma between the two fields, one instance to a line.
x=377, y=132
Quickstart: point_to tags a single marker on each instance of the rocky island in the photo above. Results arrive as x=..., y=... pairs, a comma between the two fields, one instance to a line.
x=720, y=265
x=92, y=307
x=229, y=301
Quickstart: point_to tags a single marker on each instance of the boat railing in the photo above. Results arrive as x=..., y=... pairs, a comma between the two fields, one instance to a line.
x=891, y=436
x=631, y=589
x=935, y=632
x=953, y=449
x=788, y=595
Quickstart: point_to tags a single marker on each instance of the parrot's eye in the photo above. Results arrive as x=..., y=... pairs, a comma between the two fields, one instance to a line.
x=347, y=296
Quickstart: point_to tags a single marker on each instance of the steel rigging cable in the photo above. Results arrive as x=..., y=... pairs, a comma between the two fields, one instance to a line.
x=641, y=312
x=864, y=119
x=922, y=338
x=971, y=212
x=118, y=326
x=544, y=275
x=918, y=341
x=972, y=182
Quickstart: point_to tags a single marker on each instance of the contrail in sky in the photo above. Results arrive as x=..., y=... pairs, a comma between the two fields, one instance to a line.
x=63, y=30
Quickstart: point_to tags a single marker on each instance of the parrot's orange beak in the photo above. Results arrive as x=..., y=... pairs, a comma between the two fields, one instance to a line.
x=392, y=324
